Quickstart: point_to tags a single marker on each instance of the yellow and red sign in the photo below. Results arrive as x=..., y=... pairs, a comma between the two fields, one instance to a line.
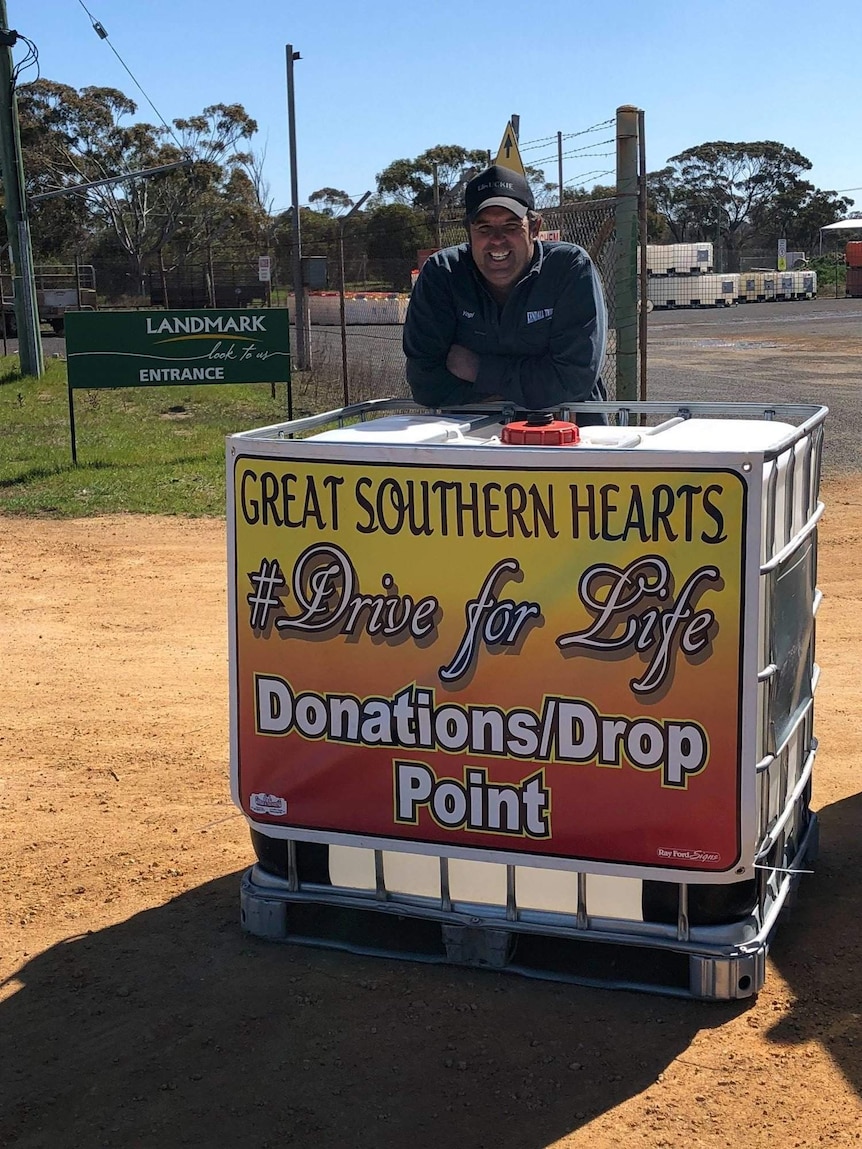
x=539, y=663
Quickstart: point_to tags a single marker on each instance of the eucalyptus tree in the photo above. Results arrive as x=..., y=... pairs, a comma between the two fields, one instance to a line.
x=330, y=201
x=74, y=137
x=411, y=183
x=743, y=192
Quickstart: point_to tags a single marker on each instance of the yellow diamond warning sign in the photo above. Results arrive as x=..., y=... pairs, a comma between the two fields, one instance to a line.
x=508, y=156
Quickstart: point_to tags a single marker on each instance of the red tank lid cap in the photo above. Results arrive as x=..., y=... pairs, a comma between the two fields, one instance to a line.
x=541, y=430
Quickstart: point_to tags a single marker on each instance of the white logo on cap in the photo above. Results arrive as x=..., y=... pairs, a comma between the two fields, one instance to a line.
x=498, y=184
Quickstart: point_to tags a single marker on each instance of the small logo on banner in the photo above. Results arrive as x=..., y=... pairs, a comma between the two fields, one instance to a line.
x=688, y=855
x=267, y=804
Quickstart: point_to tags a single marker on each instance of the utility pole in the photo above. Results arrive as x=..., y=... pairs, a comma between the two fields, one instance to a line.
x=17, y=223
x=302, y=357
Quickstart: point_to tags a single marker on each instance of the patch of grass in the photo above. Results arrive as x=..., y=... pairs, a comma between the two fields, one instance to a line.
x=143, y=449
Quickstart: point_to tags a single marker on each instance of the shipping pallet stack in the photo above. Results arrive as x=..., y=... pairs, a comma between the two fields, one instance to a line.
x=682, y=275
x=767, y=286
x=853, y=260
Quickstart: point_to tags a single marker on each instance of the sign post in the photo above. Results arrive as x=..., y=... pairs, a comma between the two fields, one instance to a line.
x=264, y=275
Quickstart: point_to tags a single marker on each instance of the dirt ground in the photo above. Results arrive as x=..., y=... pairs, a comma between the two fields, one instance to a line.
x=134, y=1012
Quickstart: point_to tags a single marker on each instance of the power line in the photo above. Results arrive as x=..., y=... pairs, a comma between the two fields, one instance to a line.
x=102, y=33
x=581, y=152
x=589, y=175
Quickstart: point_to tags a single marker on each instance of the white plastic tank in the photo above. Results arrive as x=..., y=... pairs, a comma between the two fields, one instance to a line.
x=809, y=283
x=679, y=258
x=718, y=290
x=747, y=290
x=672, y=291
x=485, y=883
x=707, y=435
x=784, y=285
x=693, y=291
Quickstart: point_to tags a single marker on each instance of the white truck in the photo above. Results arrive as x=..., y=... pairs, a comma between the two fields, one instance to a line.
x=59, y=288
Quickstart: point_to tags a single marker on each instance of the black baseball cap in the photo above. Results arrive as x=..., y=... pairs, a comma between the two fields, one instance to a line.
x=498, y=187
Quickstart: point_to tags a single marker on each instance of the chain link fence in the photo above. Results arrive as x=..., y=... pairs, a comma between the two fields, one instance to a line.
x=374, y=360
x=591, y=225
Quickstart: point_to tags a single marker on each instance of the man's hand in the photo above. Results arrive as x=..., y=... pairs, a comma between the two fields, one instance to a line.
x=463, y=363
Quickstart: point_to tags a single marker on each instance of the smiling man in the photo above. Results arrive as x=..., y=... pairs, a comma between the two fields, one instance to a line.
x=507, y=315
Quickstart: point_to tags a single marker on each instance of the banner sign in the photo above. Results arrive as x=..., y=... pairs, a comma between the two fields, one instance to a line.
x=160, y=348
x=542, y=663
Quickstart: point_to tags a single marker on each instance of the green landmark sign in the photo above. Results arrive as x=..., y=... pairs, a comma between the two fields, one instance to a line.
x=156, y=348
x=162, y=348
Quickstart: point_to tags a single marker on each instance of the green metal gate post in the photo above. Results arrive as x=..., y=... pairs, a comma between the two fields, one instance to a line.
x=625, y=256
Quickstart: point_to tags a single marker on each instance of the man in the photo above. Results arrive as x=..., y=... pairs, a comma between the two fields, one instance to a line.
x=506, y=316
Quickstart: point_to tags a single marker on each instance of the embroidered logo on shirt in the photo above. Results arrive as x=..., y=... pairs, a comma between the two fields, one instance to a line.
x=468, y=314
x=535, y=316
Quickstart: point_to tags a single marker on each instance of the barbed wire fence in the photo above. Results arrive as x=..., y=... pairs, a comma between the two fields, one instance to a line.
x=362, y=358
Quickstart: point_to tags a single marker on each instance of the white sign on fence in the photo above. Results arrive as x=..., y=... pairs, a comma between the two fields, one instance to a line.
x=264, y=268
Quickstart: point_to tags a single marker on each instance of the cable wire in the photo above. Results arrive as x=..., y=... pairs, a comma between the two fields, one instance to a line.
x=102, y=33
x=576, y=152
x=589, y=175
x=31, y=60
x=566, y=136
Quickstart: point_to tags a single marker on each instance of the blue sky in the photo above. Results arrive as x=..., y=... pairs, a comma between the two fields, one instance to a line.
x=381, y=80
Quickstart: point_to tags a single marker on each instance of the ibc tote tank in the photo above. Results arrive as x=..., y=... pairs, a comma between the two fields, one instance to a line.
x=637, y=857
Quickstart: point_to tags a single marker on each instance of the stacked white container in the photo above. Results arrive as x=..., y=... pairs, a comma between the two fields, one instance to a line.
x=679, y=258
x=693, y=290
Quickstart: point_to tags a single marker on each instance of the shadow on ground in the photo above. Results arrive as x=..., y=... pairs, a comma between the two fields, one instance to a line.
x=818, y=949
x=173, y=1028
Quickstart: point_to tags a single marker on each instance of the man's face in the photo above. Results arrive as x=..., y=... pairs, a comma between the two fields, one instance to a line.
x=502, y=246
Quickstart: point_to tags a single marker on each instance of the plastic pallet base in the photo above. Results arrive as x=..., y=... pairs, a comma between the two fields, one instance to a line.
x=381, y=929
x=693, y=306
x=673, y=273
